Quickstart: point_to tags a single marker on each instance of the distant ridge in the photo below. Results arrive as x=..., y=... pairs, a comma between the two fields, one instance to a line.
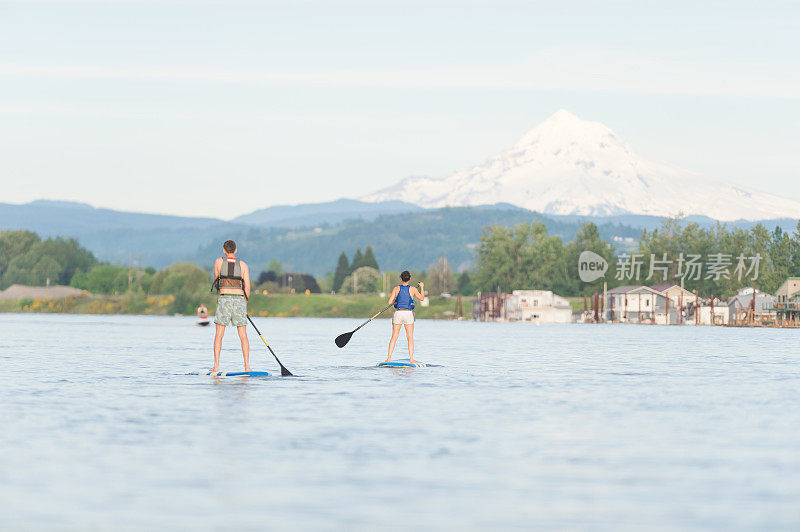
x=569, y=166
x=45, y=216
x=332, y=212
x=310, y=240
x=117, y=236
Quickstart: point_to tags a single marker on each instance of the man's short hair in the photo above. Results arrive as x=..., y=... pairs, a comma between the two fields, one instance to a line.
x=405, y=276
x=229, y=246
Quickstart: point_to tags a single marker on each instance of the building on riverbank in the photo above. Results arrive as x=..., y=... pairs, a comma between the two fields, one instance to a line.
x=679, y=297
x=708, y=311
x=538, y=306
x=639, y=304
x=531, y=306
x=787, y=303
x=751, y=306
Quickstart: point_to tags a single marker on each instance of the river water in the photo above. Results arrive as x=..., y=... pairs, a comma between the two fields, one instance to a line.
x=574, y=427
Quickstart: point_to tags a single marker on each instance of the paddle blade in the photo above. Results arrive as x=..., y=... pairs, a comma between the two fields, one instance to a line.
x=285, y=372
x=342, y=339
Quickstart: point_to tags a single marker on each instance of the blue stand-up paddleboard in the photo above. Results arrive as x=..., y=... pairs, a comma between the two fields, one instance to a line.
x=402, y=363
x=233, y=373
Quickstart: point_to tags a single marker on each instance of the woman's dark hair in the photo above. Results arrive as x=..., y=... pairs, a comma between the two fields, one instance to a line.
x=229, y=246
x=405, y=276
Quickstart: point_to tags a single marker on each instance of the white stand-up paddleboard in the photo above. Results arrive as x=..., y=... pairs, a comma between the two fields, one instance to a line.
x=401, y=363
x=232, y=373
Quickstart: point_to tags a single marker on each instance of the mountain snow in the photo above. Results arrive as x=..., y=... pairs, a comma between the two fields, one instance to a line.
x=571, y=166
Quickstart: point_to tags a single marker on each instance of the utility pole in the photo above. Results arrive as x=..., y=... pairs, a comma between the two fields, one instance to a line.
x=605, y=295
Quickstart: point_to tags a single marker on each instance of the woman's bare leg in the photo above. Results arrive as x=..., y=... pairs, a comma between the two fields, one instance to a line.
x=393, y=340
x=410, y=338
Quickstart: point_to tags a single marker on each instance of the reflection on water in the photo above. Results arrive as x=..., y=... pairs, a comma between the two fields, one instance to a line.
x=567, y=427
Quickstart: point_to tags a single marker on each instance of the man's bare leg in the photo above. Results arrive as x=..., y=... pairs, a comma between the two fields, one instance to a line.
x=410, y=338
x=245, y=346
x=393, y=340
x=218, y=345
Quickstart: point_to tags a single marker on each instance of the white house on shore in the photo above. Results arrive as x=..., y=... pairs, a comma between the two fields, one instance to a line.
x=708, y=312
x=659, y=304
x=634, y=304
x=538, y=306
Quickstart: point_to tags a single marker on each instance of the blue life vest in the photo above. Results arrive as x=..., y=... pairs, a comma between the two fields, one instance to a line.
x=404, y=301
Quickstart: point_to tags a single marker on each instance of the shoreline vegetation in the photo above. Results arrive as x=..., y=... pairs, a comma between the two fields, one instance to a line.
x=524, y=257
x=272, y=305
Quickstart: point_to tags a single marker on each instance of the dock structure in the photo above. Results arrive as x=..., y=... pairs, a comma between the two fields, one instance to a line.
x=751, y=307
x=490, y=306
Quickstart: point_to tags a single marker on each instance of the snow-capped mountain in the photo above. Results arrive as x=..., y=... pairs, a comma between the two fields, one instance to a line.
x=571, y=166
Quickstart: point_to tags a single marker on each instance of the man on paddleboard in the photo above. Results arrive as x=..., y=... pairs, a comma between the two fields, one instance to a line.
x=232, y=280
x=403, y=299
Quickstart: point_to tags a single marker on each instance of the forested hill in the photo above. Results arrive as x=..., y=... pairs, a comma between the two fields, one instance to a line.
x=409, y=240
x=115, y=236
x=413, y=239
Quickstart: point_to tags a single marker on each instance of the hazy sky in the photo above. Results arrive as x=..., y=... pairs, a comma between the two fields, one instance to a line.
x=219, y=108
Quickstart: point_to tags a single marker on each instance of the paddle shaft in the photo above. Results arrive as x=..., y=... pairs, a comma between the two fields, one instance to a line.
x=285, y=372
x=372, y=318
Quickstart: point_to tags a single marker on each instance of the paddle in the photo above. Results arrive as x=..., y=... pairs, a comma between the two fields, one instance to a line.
x=342, y=339
x=284, y=372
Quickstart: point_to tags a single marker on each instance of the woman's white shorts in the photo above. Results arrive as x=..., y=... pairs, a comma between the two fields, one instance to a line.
x=406, y=317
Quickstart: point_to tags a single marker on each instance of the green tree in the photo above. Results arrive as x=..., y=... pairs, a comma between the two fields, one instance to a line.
x=369, y=259
x=588, y=239
x=680, y=243
x=275, y=266
x=181, y=276
x=69, y=254
x=342, y=271
x=14, y=244
x=25, y=259
x=364, y=280
x=464, y=283
x=794, y=269
x=358, y=261
x=525, y=257
x=30, y=269
x=102, y=279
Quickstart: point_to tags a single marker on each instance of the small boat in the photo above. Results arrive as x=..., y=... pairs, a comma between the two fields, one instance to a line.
x=203, y=321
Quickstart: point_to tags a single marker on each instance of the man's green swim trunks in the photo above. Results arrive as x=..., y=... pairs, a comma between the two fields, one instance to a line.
x=231, y=310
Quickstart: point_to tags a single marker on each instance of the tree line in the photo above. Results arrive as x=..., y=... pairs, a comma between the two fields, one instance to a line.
x=27, y=259
x=713, y=260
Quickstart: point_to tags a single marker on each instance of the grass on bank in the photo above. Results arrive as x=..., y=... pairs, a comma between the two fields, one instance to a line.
x=277, y=305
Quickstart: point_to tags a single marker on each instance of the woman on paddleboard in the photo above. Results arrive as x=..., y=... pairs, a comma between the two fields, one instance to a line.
x=403, y=299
